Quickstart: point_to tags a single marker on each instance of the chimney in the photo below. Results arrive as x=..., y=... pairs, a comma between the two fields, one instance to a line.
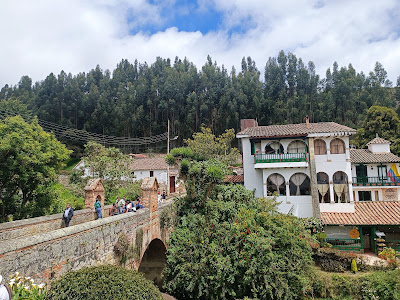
x=246, y=123
x=307, y=122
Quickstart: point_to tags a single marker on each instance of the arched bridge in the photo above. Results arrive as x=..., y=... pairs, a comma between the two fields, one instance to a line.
x=42, y=249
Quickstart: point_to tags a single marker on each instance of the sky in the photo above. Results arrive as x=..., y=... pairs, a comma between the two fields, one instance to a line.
x=44, y=36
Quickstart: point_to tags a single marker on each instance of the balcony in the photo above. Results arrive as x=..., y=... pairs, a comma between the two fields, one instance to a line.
x=277, y=158
x=374, y=181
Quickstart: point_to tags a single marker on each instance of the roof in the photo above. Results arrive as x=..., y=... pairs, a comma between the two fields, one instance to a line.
x=234, y=178
x=301, y=129
x=365, y=156
x=94, y=184
x=378, y=140
x=366, y=213
x=154, y=163
x=149, y=183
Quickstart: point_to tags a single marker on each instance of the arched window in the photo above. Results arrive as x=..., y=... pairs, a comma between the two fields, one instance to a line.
x=337, y=146
x=297, y=147
x=299, y=184
x=323, y=187
x=340, y=187
x=273, y=148
x=276, y=183
x=319, y=147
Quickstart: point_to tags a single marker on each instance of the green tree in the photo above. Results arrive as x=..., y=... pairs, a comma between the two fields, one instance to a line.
x=383, y=121
x=109, y=164
x=29, y=160
x=207, y=146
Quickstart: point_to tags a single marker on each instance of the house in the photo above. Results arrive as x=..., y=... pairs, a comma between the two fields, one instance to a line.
x=376, y=190
x=155, y=167
x=144, y=166
x=313, y=172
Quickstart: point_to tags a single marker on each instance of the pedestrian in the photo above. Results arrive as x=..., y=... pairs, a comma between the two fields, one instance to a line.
x=159, y=198
x=138, y=204
x=5, y=291
x=67, y=215
x=164, y=195
x=97, y=207
x=114, y=210
x=121, y=206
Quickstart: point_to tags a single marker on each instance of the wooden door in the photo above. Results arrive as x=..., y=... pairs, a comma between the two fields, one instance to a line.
x=172, y=184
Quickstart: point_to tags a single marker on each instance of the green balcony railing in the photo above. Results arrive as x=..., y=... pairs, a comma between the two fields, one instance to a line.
x=373, y=181
x=345, y=244
x=284, y=157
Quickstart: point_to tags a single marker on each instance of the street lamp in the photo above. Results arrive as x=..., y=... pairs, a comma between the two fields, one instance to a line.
x=173, y=139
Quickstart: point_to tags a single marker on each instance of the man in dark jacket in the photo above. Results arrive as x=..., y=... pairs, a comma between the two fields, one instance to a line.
x=67, y=215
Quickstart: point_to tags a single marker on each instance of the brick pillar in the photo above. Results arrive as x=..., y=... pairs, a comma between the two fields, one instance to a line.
x=149, y=193
x=90, y=199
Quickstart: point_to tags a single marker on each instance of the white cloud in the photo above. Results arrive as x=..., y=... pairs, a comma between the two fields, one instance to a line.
x=39, y=37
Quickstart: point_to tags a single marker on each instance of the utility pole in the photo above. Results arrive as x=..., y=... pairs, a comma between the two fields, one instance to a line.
x=168, y=164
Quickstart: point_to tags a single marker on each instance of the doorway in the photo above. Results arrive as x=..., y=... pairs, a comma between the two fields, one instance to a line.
x=172, y=184
x=367, y=236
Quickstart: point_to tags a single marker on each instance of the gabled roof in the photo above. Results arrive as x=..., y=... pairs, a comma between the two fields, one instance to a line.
x=364, y=156
x=366, y=213
x=378, y=140
x=290, y=130
x=154, y=163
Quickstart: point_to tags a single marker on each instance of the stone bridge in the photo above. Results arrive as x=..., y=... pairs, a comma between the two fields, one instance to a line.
x=43, y=249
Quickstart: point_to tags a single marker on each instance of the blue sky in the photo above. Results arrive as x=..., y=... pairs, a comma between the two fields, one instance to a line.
x=40, y=37
x=186, y=15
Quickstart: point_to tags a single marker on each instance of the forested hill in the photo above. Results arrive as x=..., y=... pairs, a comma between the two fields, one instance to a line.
x=136, y=99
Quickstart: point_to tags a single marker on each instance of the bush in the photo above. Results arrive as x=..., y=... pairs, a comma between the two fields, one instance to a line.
x=103, y=282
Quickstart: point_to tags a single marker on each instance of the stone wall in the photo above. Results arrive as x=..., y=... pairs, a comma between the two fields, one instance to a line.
x=51, y=254
x=33, y=226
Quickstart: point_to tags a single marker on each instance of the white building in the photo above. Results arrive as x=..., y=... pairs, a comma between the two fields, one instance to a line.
x=300, y=162
x=311, y=167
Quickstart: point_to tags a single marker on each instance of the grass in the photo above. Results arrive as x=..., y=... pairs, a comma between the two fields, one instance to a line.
x=70, y=163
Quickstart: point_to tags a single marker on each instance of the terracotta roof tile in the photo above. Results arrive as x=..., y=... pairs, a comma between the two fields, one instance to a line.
x=378, y=140
x=366, y=213
x=154, y=163
x=234, y=178
x=295, y=129
x=366, y=156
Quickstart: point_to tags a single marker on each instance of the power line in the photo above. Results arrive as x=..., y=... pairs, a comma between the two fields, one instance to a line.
x=84, y=136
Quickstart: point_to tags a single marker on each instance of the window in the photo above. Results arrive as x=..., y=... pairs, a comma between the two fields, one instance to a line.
x=382, y=172
x=297, y=147
x=299, y=184
x=340, y=188
x=364, y=195
x=151, y=173
x=273, y=148
x=337, y=146
x=276, y=183
x=255, y=147
x=323, y=187
x=320, y=147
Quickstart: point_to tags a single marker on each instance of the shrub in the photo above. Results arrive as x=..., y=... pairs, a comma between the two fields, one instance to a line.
x=103, y=282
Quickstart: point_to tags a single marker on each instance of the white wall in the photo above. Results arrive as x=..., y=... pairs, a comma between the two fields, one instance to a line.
x=252, y=177
x=379, y=148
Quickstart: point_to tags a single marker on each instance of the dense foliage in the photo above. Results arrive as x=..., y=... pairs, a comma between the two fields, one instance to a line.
x=103, y=282
x=227, y=244
x=30, y=158
x=382, y=285
x=136, y=99
x=109, y=164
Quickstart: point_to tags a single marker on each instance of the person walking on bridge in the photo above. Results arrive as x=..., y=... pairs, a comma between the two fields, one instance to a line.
x=67, y=215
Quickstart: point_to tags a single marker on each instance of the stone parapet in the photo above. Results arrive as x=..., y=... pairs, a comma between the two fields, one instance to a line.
x=32, y=226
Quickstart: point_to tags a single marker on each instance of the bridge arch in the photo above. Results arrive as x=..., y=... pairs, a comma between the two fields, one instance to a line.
x=153, y=261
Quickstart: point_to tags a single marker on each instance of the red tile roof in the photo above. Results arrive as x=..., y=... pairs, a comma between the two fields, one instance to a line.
x=154, y=163
x=378, y=140
x=296, y=130
x=234, y=178
x=365, y=156
x=366, y=213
